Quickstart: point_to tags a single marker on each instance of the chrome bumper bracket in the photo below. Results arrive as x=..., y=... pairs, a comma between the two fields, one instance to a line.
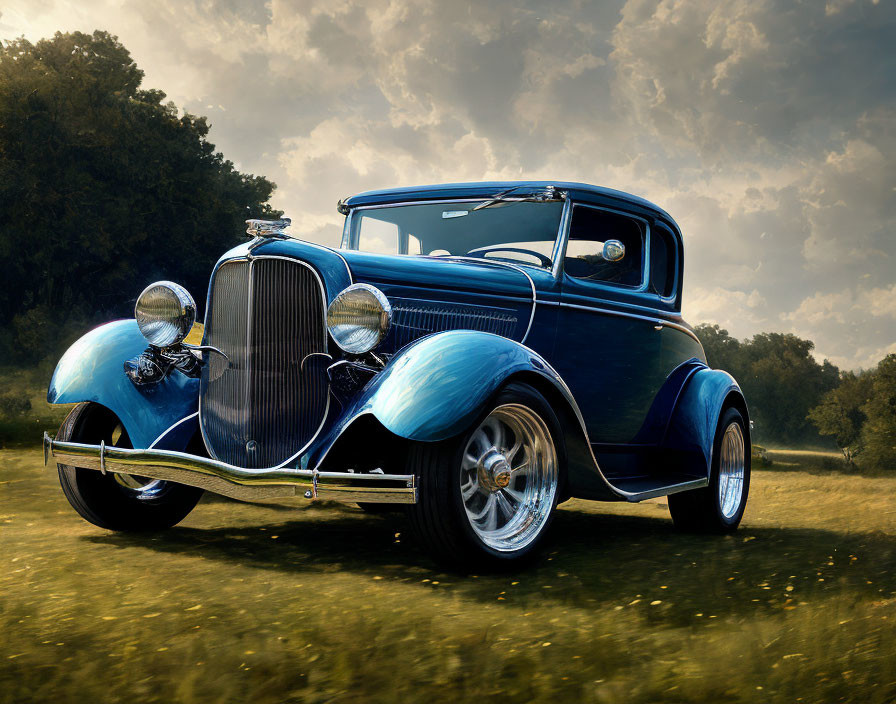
x=235, y=482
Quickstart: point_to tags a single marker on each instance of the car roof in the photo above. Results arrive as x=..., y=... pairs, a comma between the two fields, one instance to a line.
x=579, y=191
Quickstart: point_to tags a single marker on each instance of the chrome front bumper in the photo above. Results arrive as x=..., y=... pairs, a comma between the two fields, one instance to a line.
x=235, y=482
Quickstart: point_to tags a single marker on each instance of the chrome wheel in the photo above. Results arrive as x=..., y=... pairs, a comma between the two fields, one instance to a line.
x=731, y=470
x=508, y=477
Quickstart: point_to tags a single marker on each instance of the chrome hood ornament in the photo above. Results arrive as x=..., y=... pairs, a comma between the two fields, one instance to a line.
x=268, y=228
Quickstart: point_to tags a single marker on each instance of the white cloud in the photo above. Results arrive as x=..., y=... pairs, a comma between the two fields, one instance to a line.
x=736, y=311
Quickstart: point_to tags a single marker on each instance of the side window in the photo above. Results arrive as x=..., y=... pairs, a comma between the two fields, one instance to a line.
x=378, y=236
x=589, y=229
x=662, y=261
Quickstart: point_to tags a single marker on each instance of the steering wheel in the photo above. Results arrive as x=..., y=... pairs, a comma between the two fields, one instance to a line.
x=482, y=251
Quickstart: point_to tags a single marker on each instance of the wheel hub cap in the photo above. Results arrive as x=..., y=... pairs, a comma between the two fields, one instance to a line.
x=494, y=470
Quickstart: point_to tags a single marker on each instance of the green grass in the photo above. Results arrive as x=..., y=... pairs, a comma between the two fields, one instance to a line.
x=310, y=603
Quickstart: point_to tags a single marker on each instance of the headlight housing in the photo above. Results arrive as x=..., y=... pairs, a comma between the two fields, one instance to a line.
x=165, y=312
x=359, y=318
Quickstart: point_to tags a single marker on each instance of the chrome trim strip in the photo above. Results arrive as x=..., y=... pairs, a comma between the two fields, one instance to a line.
x=236, y=482
x=170, y=428
x=562, y=237
x=680, y=328
x=534, y=296
x=326, y=414
x=656, y=320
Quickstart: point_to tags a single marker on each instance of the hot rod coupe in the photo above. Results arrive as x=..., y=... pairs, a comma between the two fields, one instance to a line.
x=475, y=352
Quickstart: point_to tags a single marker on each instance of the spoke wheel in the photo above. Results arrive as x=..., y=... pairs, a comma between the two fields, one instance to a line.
x=487, y=497
x=731, y=471
x=508, y=477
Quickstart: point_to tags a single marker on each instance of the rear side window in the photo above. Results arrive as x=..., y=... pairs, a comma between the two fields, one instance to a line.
x=662, y=261
x=588, y=230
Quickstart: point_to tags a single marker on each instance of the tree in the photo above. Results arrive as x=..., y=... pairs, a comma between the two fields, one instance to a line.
x=879, y=430
x=722, y=350
x=779, y=377
x=103, y=189
x=841, y=413
x=783, y=381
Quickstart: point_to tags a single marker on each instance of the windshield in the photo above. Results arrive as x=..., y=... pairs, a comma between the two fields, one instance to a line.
x=519, y=231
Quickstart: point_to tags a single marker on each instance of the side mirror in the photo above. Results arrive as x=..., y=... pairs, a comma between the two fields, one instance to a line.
x=613, y=250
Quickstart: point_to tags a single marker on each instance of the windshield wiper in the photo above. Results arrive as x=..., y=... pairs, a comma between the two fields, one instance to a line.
x=548, y=194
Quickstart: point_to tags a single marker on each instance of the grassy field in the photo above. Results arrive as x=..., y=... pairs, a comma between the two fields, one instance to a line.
x=328, y=604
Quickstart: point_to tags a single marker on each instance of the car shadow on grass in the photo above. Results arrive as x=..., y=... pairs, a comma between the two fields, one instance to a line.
x=591, y=559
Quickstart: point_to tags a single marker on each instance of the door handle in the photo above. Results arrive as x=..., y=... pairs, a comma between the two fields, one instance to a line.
x=658, y=325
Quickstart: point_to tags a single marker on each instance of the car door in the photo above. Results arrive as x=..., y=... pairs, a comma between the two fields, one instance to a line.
x=608, y=345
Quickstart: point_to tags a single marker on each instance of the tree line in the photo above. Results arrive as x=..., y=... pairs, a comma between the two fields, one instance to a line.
x=795, y=401
x=104, y=188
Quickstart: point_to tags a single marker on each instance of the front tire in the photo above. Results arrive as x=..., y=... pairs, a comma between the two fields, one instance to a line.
x=487, y=497
x=719, y=507
x=118, y=501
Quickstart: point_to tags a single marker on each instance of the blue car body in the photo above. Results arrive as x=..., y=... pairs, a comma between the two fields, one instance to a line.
x=624, y=372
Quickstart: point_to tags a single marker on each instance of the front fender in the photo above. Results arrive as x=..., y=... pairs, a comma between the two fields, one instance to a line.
x=92, y=370
x=692, y=427
x=434, y=389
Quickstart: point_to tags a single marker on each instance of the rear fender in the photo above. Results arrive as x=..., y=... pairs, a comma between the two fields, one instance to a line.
x=161, y=415
x=692, y=427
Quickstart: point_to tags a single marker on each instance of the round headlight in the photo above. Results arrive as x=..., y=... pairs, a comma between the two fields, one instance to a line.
x=165, y=313
x=359, y=318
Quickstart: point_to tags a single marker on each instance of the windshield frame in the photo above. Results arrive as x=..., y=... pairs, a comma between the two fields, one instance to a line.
x=555, y=252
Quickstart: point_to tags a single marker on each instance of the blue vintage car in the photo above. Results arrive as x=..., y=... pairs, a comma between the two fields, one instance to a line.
x=475, y=352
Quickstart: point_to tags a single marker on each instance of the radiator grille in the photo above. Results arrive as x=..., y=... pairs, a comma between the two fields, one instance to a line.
x=412, y=319
x=261, y=406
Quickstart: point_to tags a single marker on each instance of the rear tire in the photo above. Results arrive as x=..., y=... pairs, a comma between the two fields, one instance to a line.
x=487, y=497
x=114, y=501
x=719, y=507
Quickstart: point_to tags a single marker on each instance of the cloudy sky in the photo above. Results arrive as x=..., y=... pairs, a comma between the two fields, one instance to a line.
x=767, y=129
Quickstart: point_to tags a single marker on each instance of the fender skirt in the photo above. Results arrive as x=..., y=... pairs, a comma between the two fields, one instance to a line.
x=92, y=369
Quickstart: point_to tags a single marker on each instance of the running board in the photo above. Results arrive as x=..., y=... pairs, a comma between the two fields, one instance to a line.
x=643, y=488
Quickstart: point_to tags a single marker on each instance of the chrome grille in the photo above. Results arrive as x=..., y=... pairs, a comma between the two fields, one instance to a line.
x=262, y=406
x=412, y=319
